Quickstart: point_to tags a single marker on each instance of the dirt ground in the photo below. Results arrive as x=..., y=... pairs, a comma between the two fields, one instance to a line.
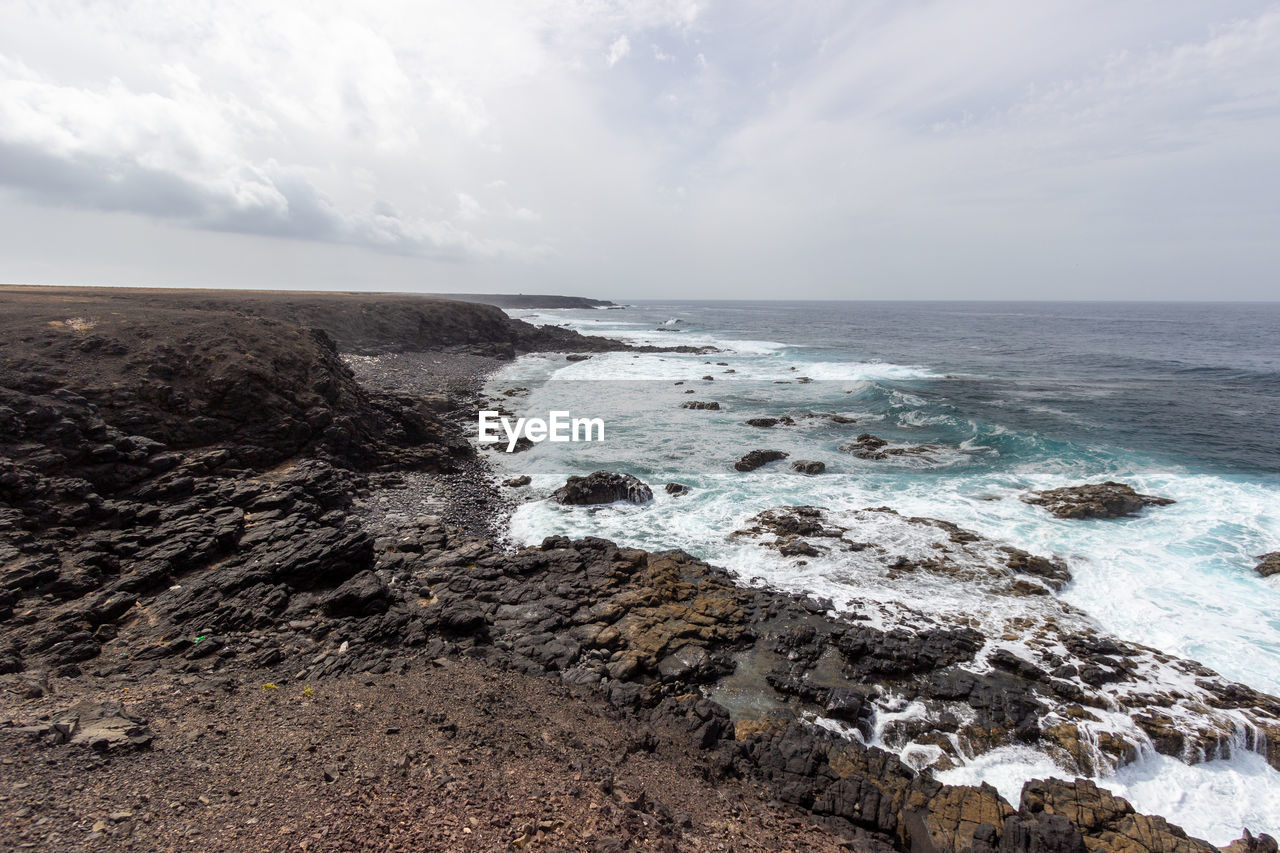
x=455, y=756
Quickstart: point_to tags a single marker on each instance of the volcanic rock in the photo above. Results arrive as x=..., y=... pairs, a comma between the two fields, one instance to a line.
x=756, y=458
x=1094, y=500
x=603, y=487
x=868, y=446
x=1268, y=564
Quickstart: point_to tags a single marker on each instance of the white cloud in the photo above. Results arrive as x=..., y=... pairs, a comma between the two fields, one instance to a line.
x=618, y=50
x=935, y=145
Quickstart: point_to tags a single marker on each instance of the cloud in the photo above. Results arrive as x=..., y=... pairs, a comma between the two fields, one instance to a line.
x=228, y=118
x=933, y=148
x=618, y=50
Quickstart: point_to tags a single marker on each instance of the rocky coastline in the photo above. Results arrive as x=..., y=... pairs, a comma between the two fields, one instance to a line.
x=253, y=576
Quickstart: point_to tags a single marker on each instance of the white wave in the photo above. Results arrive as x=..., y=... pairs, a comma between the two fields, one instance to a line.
x=1213, y=800
x=863, y=371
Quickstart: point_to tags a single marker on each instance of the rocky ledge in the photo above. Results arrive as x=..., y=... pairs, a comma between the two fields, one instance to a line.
x=868, y=446
x=603, y=487
x=759, y=458
x=180, y=503
x=1268, y=564
x=1094, y=500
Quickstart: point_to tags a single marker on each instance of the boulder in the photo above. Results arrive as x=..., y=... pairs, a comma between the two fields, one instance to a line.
x=517, y=482
x=808, y=466
x=1250, y=843
x=603, y=487
x=1105, y=821
x=1094, y=500
x=361, y=595
x=868, y=446
x=1268, y=564
x=756, y=458
x=677, y=489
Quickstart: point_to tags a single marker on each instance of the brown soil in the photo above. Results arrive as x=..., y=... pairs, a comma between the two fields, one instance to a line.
x=452, y=756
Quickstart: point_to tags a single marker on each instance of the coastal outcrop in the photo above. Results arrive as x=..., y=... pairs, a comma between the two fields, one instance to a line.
x=758, y=458
x=603, y=487
x=1094, y=500
x=184, y=502
x=1043, y=660
x=1268, y=564
x=868, y=446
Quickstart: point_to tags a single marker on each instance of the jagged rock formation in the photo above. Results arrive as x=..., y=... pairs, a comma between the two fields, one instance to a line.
x=183, y=500
x=1268, y=564
x=757, y=458
x=1039, y=671
x=603, y=487
x=868, y=446
x=1094, y=500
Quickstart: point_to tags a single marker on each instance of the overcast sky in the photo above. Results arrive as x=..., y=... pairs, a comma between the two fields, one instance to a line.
x=663, y=148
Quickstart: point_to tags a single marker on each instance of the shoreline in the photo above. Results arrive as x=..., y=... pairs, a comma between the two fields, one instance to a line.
x=259, y=547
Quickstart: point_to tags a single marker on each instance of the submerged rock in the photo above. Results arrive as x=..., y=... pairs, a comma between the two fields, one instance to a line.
x=603, y=487
x=868, y=446
x=1094, y=500
x=756, y=458
x=698, y=404
x=1268, y=564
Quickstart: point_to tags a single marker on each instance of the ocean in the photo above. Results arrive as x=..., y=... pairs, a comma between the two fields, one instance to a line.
x=1178, y=400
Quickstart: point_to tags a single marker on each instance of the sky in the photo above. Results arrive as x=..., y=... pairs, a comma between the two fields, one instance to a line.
x=966, y=149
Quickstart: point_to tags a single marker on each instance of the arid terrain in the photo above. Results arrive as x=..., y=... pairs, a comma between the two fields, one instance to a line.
x=214, y=636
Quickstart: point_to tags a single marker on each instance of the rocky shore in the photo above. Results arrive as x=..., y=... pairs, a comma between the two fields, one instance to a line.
x=254, y=596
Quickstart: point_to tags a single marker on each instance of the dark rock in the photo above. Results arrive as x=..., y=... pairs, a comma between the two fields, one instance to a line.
x=1053, y=572
x=798, y=548
x=1268, y=564
x=677, y=489
x=808, y=466
x=1094, y=500
x=757, y=458
x=762, y=422
x=868, y=446
x=698, y=404
x=517, y=482
x=362, y=595
x=603, y=487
